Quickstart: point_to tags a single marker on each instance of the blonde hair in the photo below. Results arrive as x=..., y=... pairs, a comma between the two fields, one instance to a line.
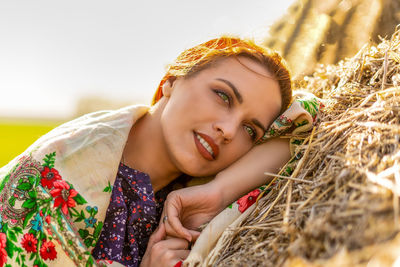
x=197, y=58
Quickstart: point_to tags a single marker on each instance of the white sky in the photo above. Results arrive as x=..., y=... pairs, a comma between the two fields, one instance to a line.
x=52, y=52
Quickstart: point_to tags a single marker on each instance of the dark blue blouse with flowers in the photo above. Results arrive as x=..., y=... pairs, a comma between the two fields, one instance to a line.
x=132, y=215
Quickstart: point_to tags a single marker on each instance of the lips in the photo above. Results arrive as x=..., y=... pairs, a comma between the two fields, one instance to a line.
x=206, y=146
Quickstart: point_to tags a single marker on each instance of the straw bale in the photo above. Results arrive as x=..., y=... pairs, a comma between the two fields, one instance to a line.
x=347, y=214
x=343, y=26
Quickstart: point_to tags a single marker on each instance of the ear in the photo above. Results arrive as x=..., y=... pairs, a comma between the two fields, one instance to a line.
x=168, y=86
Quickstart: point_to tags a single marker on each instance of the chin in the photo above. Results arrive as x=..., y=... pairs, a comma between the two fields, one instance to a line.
x=195, y=171
x=207, y=169
x=189, y=161
x=194, y=167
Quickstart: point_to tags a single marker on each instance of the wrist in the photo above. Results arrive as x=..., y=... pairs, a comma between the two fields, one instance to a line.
x=217, y=187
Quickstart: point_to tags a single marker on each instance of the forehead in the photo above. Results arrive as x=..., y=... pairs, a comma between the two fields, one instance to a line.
x=237, y=62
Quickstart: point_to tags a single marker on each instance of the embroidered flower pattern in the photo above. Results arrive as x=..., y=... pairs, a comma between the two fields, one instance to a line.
x=43, y=198
x=49, y=176
x=37, y=223
x=48, y=219
x=48, y=251
x=248, y=200
x=29, y=242
x=90, y=222
x=290, y=118
x=63, y=195
x=283, y=121
x=3, y=252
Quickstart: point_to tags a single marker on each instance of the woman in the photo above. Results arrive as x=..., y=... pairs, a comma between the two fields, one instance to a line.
x=205, y=117
x=89, y=184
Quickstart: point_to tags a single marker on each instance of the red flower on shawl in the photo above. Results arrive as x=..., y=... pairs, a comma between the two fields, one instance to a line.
x=48, y=219
x=29, y=242
x=63, y=195
x=3, y=252
x=248, y=200
x=49, y=176
x=48, y=251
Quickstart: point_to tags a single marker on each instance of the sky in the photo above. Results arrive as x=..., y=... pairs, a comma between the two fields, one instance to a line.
x=54, y=52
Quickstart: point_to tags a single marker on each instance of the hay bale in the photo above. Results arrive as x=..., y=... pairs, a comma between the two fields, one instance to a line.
x=349, y=215
x=345, y=26
x=304, y=50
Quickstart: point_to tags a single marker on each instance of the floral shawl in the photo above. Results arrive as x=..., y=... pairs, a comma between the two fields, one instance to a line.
x=52, y=193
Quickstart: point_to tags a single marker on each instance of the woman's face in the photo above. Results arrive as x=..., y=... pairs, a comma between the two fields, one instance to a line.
x=215, y=116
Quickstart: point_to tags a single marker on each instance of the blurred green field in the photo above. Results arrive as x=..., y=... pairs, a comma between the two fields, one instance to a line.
x=18, y=135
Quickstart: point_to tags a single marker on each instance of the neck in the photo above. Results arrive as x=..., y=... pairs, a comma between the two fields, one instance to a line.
x=146, y=151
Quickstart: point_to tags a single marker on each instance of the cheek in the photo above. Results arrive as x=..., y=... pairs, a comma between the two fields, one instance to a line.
x=170, y=126
x=235, y=152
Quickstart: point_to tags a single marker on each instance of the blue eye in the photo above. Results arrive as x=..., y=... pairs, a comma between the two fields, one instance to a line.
x=225, y=97
x=251, y=132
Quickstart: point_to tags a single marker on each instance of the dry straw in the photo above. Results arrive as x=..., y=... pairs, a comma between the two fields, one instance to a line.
x=347, y=213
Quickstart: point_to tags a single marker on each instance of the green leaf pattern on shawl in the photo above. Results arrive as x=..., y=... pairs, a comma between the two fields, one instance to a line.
x=108, y=188
x=310, y=105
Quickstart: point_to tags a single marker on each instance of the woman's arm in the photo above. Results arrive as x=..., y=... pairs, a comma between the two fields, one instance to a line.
x=248, y=172
x=190, y=207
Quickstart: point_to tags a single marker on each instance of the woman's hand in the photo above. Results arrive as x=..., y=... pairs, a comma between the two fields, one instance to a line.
x=164, y=251
x=188, y=208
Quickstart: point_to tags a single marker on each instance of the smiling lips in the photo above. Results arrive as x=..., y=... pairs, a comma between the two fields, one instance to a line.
x=206, y=146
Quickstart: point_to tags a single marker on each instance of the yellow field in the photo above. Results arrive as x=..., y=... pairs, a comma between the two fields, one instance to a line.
x=16, y=136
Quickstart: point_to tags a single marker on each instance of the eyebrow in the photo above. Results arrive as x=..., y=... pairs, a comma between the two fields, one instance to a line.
x=234, y=89
x=259, y=124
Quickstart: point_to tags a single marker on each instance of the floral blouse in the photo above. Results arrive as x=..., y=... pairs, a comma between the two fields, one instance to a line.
x=132, y=215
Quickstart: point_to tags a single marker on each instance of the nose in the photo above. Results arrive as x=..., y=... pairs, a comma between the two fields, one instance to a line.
x=227, y=129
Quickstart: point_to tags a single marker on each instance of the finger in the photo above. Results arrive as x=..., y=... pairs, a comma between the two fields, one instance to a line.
x=169, y=237
x=168, y=229
x=174, y=226
x=163, y=216
x=190, y=243
x=174, y=243
x=195, y=235
x=173, y=233
x=158, y=235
